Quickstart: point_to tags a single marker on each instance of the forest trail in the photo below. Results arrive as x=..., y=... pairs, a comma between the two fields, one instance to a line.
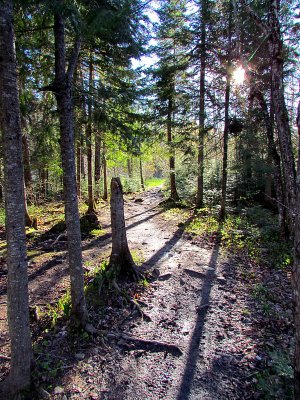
x=186, y=336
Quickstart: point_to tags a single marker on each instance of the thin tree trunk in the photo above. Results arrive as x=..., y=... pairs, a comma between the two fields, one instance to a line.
x=174, y=194
x=97, y=162
x=17, y=284
x=78, y=167
x=91, y=202
x=62, y=90
x=129, y=167
x=105, y=189
x=201, y=132
x=26, y=158
x=141, y=174
x=226, y=120
x=296, y=275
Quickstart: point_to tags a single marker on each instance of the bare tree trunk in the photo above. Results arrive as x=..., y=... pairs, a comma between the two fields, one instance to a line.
x=62, y=90
x=226, y=119
x=141, y=174
x=174, y=194
x=78, y=167
x=105, y=189
x=129, y=167
x=281, y=115
x=17, y=284
x=201, y=132
x=275, y=159
x=91, y=201
x=26, y=158
x=97, y=163
x=296, y=276
x=120, y=260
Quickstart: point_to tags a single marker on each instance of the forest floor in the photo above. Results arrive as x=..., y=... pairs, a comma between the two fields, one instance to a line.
x=205, y=323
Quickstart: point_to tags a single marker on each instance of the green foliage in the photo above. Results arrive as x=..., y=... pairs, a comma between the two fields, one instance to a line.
x=254, y=233
x=154, y=182
x=130, y=185
x=276, y=380
x=62, y=309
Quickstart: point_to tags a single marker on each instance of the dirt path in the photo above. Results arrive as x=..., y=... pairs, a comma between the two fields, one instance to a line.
x=196, y=302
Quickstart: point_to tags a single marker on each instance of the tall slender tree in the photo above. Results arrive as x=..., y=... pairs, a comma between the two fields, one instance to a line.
x=17, y=285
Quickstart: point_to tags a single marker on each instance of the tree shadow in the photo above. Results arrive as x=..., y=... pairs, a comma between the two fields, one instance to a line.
x=193, y=351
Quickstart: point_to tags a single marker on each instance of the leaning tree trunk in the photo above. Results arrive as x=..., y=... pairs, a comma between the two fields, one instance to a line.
x=17, y=279
x=62, y=90
x=120, y=260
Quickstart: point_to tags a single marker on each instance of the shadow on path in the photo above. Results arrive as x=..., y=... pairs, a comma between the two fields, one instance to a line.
x=193, y=349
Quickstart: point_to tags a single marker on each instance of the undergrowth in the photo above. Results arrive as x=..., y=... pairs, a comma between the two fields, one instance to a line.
x=253, y=233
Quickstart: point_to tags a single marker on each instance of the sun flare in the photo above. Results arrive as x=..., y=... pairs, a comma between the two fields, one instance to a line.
x=238, y=76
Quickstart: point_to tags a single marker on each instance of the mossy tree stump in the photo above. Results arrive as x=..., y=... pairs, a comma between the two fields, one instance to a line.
x=121, y=260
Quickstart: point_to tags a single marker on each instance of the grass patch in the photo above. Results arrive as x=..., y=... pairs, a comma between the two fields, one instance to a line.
x=154, y=182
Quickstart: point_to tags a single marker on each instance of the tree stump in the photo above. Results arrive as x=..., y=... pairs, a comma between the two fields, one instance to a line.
x=121, y=260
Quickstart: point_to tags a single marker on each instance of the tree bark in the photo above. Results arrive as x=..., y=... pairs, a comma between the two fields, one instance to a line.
x=281, y=115
x=17, y=285
x=174, y=194
x=141, y=174
x=296, y=275
x=26, y=158
x=91, y=201
x=201, y=131
x=62, y=90
x=97, y=163
x=120, y=260
x=226, y=119
x=275, y=160
x=78, y=166
x=105, y=189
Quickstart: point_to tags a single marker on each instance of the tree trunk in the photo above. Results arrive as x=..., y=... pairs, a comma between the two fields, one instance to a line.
x=141, y=174
x=91, y=201
x=281, y=115
x=199, y=198
x=97, y=163
x=26, y=158
x=78, y=167
x=17, y=279
x=226, y=119
x=174, y=194
x=105, y=189
x=62, y=90
x=275, y=159
x=120, y=260
x=129, y=167
x=296, y=276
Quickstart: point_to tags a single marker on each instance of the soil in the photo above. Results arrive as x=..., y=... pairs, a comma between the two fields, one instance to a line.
x=191, y=331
